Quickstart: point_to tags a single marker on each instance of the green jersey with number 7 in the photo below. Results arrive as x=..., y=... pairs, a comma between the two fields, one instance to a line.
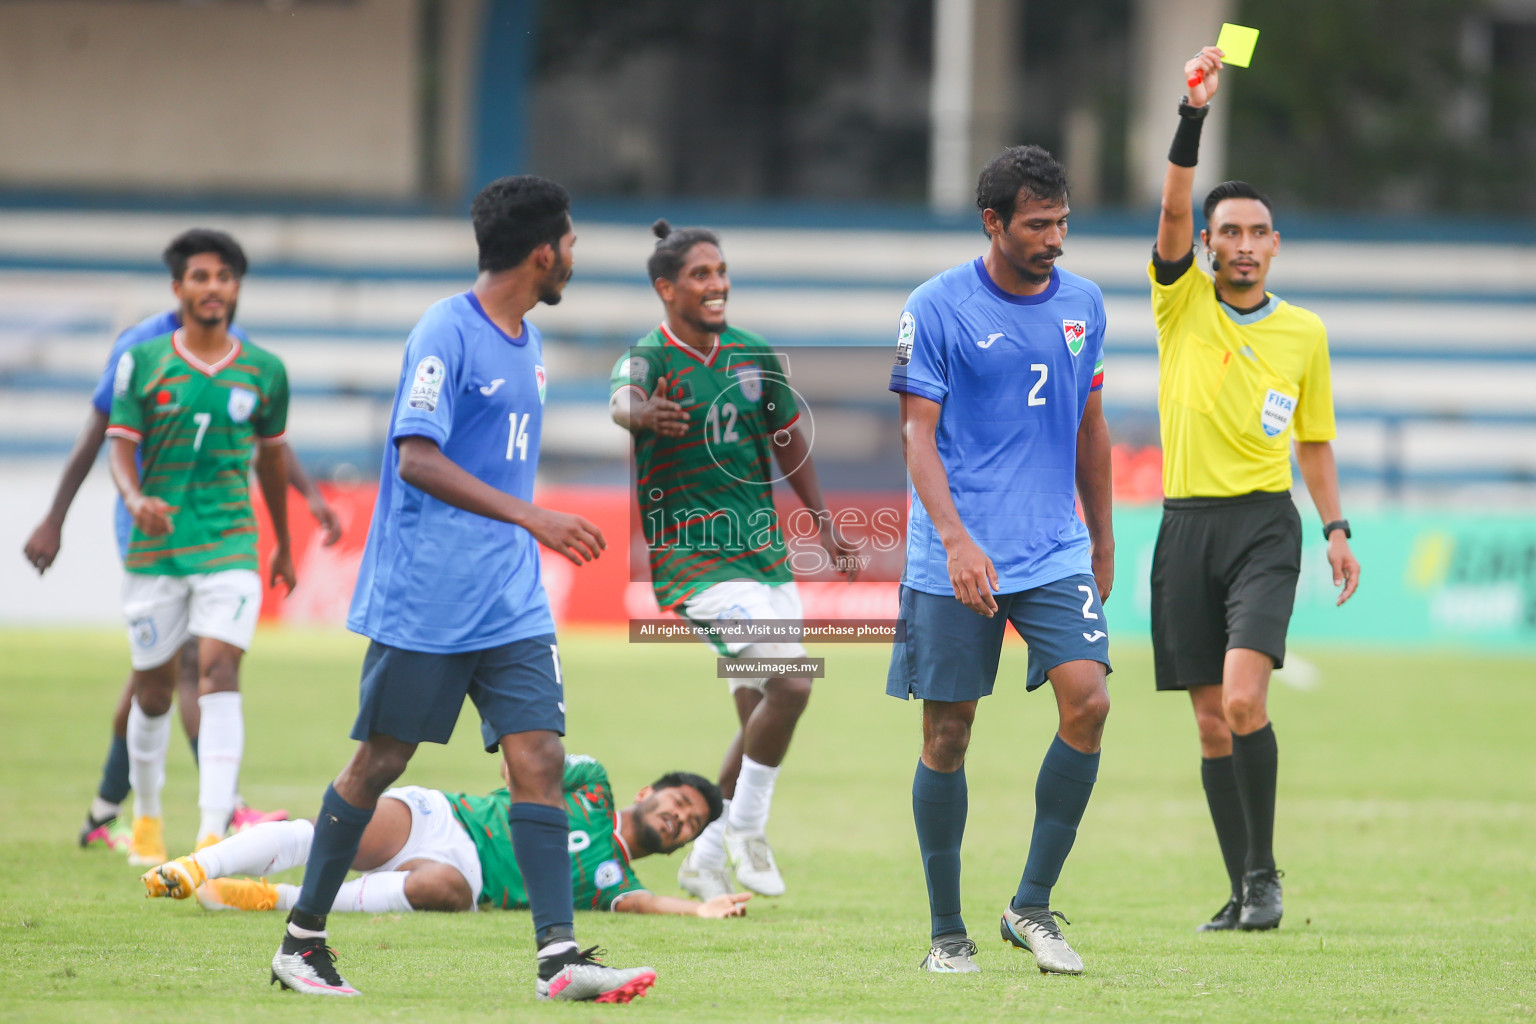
x=197, y=426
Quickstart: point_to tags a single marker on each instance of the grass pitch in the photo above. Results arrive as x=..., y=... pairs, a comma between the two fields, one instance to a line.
x=1407, y=826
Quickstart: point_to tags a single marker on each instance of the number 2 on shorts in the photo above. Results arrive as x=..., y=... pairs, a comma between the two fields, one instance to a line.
x=1087, y=602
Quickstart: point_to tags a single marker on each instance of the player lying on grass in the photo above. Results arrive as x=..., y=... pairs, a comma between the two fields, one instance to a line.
x=429, y=850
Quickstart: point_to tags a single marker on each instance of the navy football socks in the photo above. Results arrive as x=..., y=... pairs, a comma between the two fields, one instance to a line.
x=338, y=831
x=540, y=842
x=114, y=774
x=1061, y=795
x=939, y=803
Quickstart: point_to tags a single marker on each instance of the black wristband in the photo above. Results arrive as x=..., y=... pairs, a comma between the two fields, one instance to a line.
x=1185, y=151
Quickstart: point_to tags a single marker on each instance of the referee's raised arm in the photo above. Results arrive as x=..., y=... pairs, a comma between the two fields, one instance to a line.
x=1176, y=222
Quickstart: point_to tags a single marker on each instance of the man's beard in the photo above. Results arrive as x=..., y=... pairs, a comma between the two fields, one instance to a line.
x=1031, y=276
x=700, y=325
x=551, y=288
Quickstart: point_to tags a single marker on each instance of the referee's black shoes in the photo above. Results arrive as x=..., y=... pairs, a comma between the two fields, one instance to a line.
x=1261, y=900
x=1225, y=919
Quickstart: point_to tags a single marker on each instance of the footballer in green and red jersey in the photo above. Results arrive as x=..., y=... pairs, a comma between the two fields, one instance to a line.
x=189, y=409
x=706, y=500
x=432, y=850
x=715, y=423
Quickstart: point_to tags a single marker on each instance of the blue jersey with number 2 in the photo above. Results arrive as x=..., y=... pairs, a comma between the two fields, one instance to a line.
x=434, y=577
x=1012, y=373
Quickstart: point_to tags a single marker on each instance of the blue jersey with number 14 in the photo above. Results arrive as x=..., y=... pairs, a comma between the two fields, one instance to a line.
x=1012, y=374
x=434, y=577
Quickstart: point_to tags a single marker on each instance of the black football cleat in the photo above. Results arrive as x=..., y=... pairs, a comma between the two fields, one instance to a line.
x=1261, y=900
x=1226, y=918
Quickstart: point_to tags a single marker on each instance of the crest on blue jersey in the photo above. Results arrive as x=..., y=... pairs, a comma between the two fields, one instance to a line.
x=749, y=378
x=538, y=376
x=1075, y=331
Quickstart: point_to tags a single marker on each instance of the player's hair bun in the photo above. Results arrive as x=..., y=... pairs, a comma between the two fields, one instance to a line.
x=661, y=229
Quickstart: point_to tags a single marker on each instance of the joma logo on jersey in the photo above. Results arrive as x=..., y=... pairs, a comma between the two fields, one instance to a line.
x=1074, y=331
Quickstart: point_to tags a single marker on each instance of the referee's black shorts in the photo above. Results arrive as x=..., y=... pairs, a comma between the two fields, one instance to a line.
x=1223, y=576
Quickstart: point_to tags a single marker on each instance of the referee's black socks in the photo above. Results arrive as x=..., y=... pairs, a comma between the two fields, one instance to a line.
x=1255, y=760
x=1227, y=815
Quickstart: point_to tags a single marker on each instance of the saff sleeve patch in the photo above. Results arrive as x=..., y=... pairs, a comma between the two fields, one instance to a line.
x=427, y=384
x=123, y=375
x=905, y=338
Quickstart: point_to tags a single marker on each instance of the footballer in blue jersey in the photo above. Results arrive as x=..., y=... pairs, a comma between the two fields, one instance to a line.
x=450, y=596
x=999, y=365
x=42, y=548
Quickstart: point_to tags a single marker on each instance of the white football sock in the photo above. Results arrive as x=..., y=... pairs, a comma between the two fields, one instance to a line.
x=379, y=892
x=220, y=744
x=709, y=848
x=287, y=896
x=148, y=738
x=260, y=850
x=101, y=809
x=754, y=796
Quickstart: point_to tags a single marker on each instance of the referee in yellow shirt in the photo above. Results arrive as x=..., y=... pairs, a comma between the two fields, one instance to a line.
x=1243, y=374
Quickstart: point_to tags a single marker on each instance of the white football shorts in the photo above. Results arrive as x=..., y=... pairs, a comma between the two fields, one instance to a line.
x=162, y=611
x=436, y=835
x=748, y=600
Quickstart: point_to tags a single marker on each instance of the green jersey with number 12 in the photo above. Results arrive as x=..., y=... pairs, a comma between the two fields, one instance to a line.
x=196, y=425
x=706, y=498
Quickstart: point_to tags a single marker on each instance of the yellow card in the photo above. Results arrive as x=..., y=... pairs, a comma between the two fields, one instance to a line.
x=1237, y=42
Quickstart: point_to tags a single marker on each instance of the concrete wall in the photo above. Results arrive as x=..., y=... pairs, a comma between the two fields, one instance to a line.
x=236, y=97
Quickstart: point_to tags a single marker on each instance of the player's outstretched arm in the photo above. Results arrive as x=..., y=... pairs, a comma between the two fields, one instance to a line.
x=1318, y=469
x=1176, y=221
x=272, y=475
x=731, y=904
x=1095, y=488
x=794, y=458
x=971, y=572
x=298, y=479
x=151, y=515
x=424, y=466
x=635, y=411
x=42, y=546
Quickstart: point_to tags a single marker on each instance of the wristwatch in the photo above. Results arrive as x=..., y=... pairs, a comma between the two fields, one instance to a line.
x=1337, y=524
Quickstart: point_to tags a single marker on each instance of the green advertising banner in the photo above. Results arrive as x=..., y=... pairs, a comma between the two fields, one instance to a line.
x=1427, y=578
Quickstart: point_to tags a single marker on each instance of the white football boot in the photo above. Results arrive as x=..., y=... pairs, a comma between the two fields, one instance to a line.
x=703, y=883
x=951, y=954
x=1036, y=931
x=752, y=859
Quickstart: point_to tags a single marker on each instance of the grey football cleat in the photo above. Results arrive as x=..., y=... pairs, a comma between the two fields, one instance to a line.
x=1261, y=900
x=1034, y=929
x=752, y=858
x=579, y=977
x=703, y=883
x=951, y=954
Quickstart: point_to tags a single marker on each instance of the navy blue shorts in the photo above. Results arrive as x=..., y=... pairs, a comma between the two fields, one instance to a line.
x=951, y=653
x=416, y=696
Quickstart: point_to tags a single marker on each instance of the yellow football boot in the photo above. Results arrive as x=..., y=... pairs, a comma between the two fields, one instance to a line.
x=237, y=894
x=176, y=879
x=148, y=847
